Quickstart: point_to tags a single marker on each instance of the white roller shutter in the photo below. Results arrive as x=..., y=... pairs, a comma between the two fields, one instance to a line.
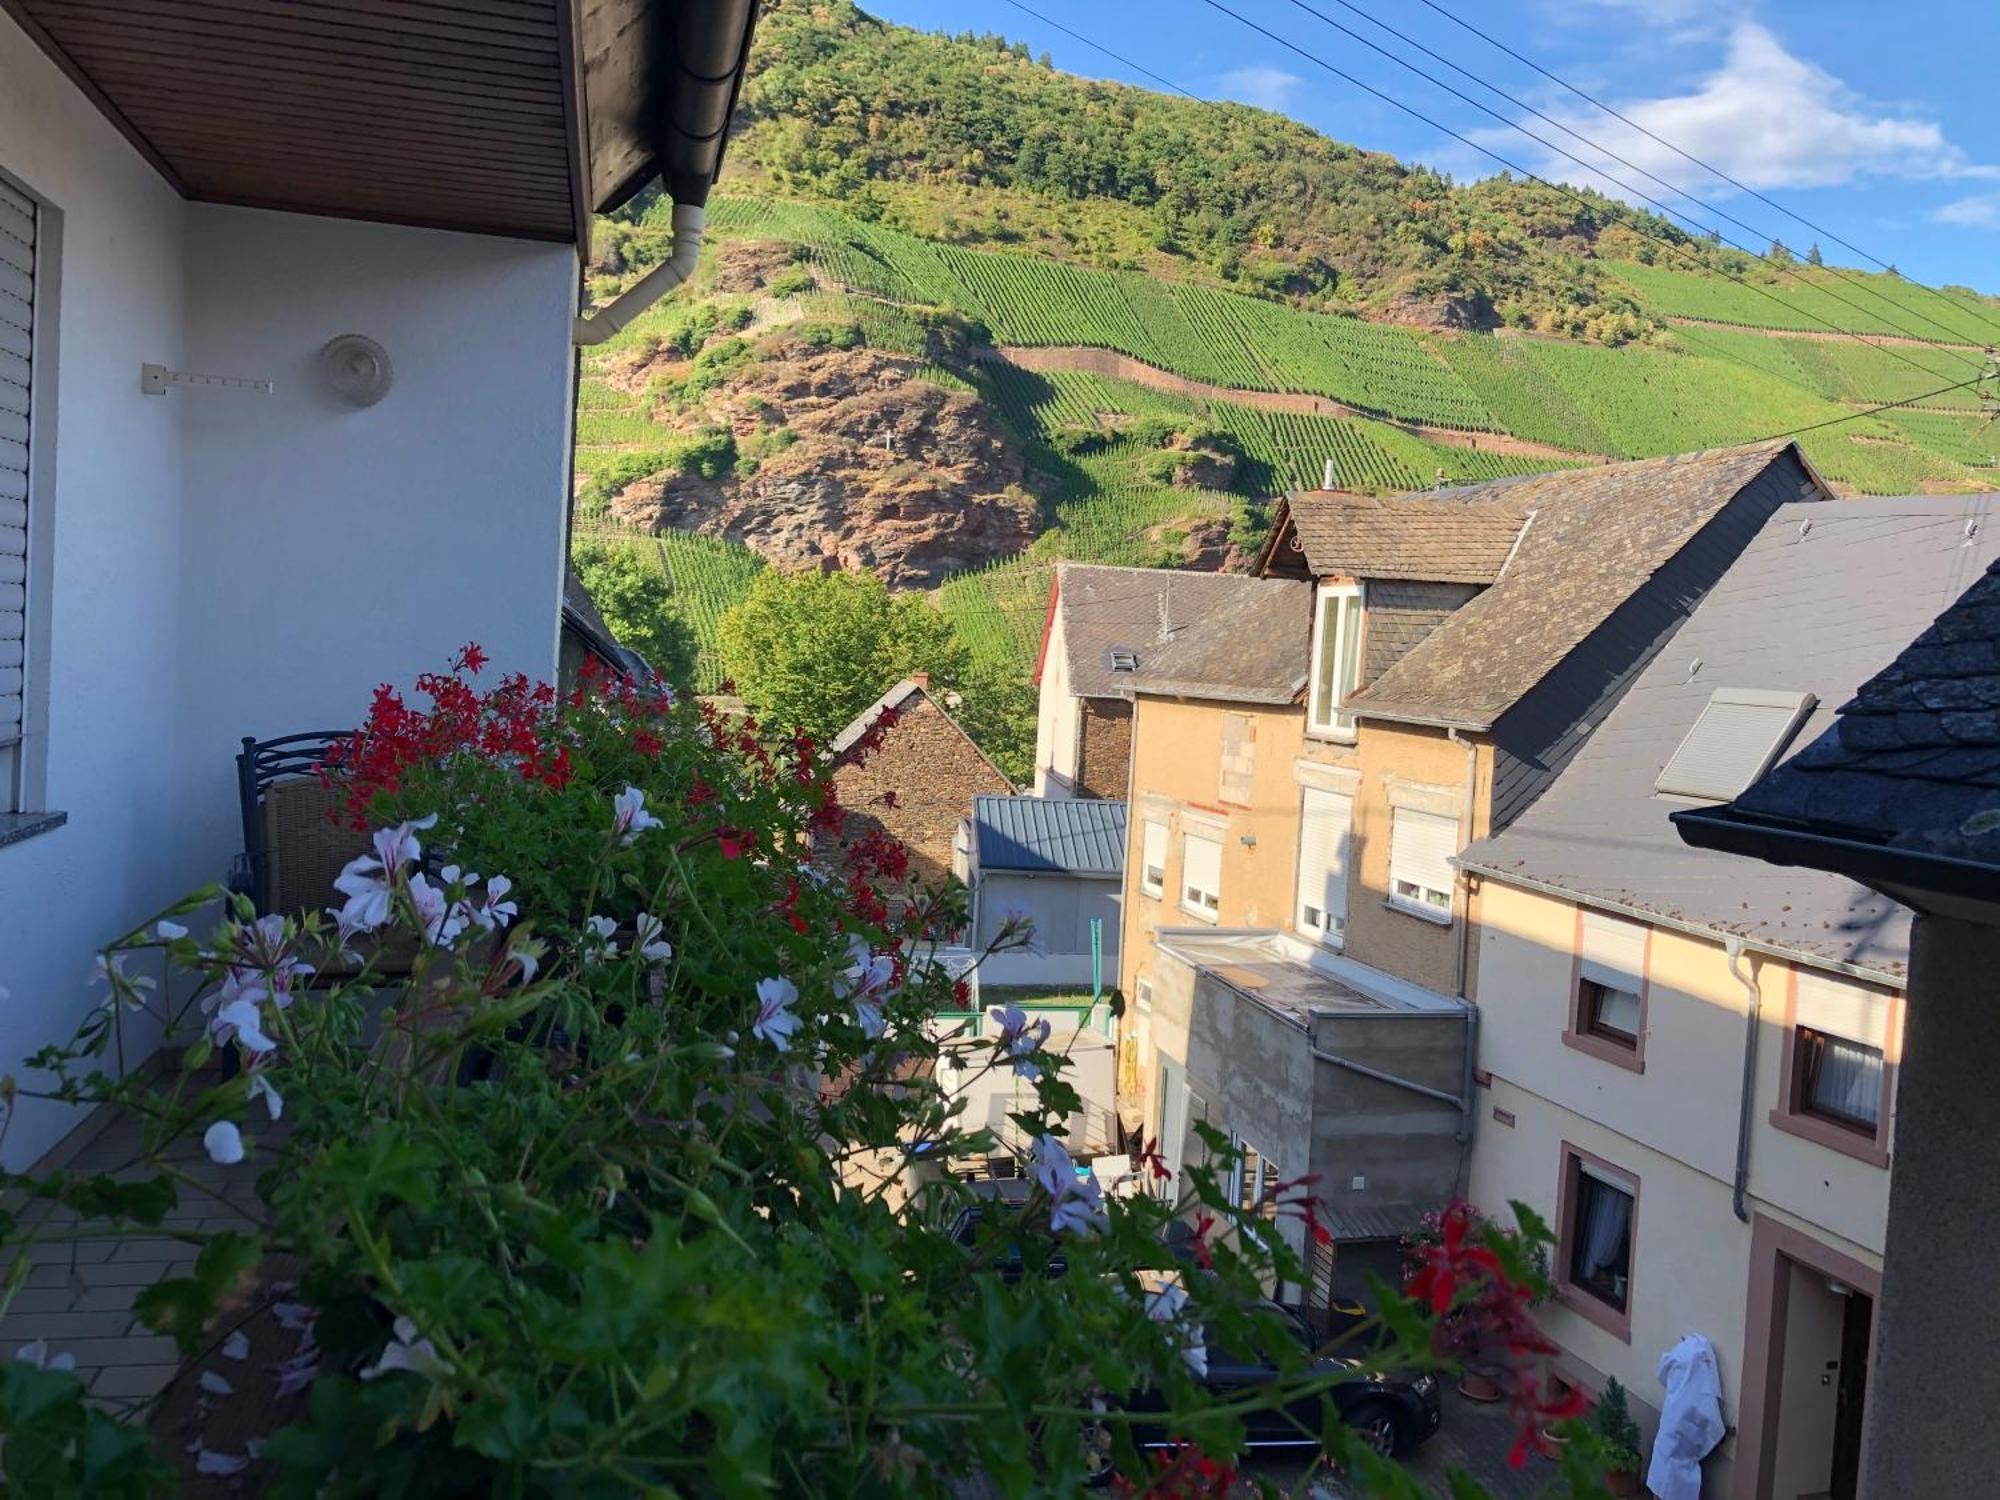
x=1201, y=876
x=17, y=333
x=1614, y=951
x=1325, y=819
x=1739, y=733
x=1153, y=859
x=1421, y=845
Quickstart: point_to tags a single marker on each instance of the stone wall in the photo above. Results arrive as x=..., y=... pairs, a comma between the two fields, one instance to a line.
x=1104, y=755
x=929, y=773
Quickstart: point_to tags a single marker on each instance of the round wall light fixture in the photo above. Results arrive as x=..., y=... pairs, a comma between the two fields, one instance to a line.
x=356, y=369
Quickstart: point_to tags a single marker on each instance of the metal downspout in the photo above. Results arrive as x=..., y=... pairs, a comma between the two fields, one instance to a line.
x=1464, y=838
x=1733, y=946
x=1389, y=1078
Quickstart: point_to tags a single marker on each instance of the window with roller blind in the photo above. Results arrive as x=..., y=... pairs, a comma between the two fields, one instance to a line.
x=1325, y=821
x=1201, y=877
x=19, y=221
x=1421, y=845
x=1607, y=1010
x=1153, y=859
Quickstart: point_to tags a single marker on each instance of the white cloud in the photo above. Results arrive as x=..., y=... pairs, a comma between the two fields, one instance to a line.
x=1765, y=117
x=1982, y=211
x=1261, y=85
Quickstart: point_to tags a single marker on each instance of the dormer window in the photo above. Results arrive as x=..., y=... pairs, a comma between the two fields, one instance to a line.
x=1336, y=660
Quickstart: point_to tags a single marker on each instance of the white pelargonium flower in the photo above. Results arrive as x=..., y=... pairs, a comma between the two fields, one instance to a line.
x=1075, y=1202
x=1019, y=1041
x=650, y=942
x=442, y=921
x=262, y=1087
x=169, y=931
x=494, y=909
x=367, y=881
x=1168, y=1304
x=37, y=1354
x=408, y=1352
x=243, y=1020
x=597, y=935
x=775, y=1022
x=128, y=987
x=629, y=817
x=224, y=1142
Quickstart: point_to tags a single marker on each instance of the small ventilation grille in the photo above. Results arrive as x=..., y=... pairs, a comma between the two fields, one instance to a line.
x=1121, y=659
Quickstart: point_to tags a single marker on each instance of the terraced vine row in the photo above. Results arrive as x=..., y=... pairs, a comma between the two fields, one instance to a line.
x=1812, y=302
x=709, y=575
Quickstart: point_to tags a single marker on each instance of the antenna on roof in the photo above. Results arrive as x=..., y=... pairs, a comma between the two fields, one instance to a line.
x=1328, y=479
x=1437, y=484
x=1167, y=607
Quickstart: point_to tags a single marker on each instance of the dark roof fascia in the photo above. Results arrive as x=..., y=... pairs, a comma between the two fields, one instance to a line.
x=1197, y=692
x=1429, y=721
x=1899, y=874
x=1674, y=924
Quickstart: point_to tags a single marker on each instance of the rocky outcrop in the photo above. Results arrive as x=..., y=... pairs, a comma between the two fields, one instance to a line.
x=888, y=473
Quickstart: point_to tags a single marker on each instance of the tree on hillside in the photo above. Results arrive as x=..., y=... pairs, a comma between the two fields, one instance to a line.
x=1813, y=257
x=637, y=603
x=813, y=650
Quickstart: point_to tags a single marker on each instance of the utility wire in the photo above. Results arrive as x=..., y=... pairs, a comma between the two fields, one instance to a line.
x=1524, y=172
x=1165, y=83
x=1789, y=213
x=1550, y=145
x=1955, y=335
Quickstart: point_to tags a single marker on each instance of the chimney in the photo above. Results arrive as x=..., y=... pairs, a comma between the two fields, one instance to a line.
x=921, y=679
x=1328, y=480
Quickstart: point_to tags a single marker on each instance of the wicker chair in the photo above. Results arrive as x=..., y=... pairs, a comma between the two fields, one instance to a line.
x=292, y=845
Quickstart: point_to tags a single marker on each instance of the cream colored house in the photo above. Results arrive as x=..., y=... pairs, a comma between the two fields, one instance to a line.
x=1409, y=676
x=1687, y=1062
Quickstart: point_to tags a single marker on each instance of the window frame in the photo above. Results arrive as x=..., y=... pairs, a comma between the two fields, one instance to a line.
x=1324, y=720
x=1253, y=1179
x=1585, y=1301
x=1413, y=906
x=24, y=764
x=1199, y=912
x=1793, y=1115
x=1157, y=889
x=1581, y=1031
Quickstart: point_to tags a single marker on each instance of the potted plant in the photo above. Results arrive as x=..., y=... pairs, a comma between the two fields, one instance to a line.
x=1612, y=1418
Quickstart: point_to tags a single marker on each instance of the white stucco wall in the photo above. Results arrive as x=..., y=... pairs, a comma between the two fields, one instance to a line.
x=111, y=530
x=1057, y=713
x=223, y=564
x=328, y=549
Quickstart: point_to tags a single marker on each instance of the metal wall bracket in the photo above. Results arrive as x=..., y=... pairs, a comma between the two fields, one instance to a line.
x=157, y=380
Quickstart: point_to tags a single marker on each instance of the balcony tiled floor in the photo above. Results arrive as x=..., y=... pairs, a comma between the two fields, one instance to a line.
x=80, y=1288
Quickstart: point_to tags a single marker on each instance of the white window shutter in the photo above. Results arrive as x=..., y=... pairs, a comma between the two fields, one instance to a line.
x=1325, y=820
x=17, y=334
x=1153, y=856
x=1614, y=952
x=1421, y=846
x=1201, y=873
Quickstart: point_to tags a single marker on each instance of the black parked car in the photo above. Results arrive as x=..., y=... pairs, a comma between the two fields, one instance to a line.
x=1394, y=1413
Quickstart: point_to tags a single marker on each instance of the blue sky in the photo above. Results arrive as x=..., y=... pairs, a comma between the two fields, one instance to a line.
x=1874, y=122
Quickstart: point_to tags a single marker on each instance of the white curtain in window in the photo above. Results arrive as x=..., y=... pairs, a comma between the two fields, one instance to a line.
x=1617, y=1009
x=1849, y=1080
x=1603, y=1219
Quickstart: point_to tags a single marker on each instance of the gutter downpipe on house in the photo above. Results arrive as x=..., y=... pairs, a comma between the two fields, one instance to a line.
x=1733, y=947
x=689, y=218
x=1470, y=1064
x=1391, y=1079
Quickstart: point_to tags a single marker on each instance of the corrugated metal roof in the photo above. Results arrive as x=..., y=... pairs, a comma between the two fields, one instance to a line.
x=1049, y=835
x=1821, y=601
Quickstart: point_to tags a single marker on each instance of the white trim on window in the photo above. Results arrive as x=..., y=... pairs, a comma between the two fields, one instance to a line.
x=1336, y=660
x=1421, y=846
x=1201, y=877
x=1153, y=859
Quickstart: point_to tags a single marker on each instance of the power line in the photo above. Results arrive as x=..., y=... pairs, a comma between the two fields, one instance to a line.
x=1550, y=145
x=1789, y=213
x=1166, y=83
x=1532, y=177
x=1673, y=188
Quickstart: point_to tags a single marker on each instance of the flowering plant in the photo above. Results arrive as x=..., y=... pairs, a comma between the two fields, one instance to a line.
x=606, y=1189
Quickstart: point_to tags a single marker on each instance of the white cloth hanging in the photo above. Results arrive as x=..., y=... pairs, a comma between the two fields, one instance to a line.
x=1690, y=1419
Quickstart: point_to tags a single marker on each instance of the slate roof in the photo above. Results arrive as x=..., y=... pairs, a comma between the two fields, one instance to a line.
x=1818, y=610
x=1049, y=835
x=1253, y=647
x=1593, y=538
x=1914, y=755
x=581, y=616
x=899, y=698
x=1466, y=539
x=1137, y=609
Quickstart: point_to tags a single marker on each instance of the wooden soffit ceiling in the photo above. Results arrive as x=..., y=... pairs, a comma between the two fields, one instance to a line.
x=456, y=114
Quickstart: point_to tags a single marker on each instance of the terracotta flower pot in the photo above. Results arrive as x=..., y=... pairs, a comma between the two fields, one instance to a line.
x=1476, y=1386
x=1624, y=1482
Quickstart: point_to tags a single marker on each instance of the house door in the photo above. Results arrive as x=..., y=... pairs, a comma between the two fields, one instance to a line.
x=1851, y=1399
x=1173, y=1119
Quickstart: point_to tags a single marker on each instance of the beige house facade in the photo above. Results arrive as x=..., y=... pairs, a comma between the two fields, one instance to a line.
x=1688, y=1064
